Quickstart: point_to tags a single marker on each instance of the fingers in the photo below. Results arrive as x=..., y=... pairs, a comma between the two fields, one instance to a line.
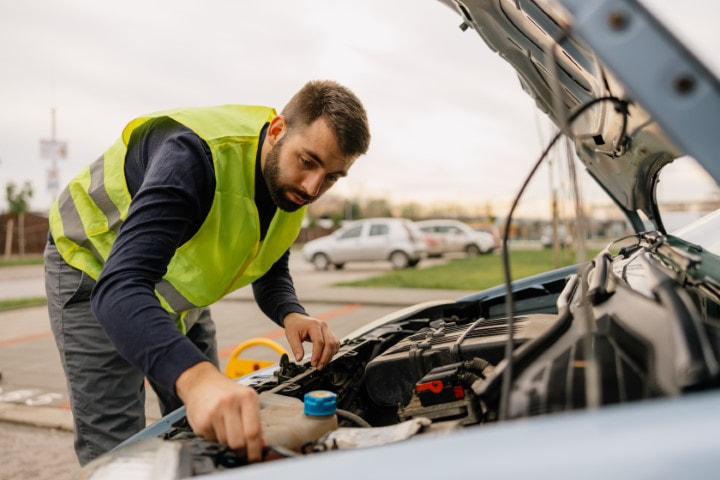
x=331, y=346
x=222, y=411
x=205, y=431
x=242, y=425
x=295, y=340
x=218, y=430
x=235, y=432
x=299, y=328
x=252, y=428
x=325, y=345
x=318, y=340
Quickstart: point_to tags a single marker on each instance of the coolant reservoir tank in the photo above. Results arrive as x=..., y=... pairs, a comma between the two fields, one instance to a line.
x=290, y=423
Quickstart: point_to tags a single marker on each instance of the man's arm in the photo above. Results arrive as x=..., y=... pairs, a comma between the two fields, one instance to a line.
x=275, y=295
x=171, y=177
x=171, y=199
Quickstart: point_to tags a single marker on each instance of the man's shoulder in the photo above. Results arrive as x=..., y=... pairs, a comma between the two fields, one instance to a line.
x=224, y=120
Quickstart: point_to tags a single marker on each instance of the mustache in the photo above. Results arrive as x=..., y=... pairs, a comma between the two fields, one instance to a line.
x=303, y=196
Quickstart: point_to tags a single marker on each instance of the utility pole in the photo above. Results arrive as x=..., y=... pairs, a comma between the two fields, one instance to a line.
x=52, y=181
x=53, y=149
x=555, y=219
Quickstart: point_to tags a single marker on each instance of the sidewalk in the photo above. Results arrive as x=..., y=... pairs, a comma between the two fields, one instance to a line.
x=22, y=282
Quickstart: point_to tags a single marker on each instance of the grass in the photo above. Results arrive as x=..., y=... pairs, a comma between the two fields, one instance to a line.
x=474, y=273
x=26, y=260
x=22, y=303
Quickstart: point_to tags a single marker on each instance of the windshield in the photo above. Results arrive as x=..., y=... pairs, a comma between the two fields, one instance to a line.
x=685, y=193
x=703, y=232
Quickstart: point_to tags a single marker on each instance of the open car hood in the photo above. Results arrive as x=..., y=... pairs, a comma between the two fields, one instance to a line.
x=569, y=52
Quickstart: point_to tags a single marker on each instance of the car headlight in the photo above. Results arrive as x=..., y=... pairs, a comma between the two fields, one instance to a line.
x=148, y=459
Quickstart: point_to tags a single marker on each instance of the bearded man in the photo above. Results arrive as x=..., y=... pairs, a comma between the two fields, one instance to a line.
x=186, y=207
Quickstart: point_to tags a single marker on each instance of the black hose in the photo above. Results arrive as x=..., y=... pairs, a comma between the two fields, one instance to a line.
x=509, y=305
x=357, y=420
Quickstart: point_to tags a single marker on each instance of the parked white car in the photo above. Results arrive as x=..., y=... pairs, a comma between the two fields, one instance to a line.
x=455, y=236
x=563, y=236
x=396, y=240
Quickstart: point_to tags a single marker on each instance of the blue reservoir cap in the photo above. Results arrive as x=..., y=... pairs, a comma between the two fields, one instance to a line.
x=320, y=402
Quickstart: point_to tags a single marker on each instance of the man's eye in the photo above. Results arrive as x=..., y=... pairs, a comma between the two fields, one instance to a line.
x=332, y=178
x=305, y=162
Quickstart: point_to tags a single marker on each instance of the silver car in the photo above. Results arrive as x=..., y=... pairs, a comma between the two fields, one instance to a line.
x=396, y=240
x=455, y=236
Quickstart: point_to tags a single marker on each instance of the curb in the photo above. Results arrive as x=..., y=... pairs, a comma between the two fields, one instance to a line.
x=37, y=416
x=56, y=418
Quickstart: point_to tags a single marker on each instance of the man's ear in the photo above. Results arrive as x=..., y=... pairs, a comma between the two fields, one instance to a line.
x=276, y=129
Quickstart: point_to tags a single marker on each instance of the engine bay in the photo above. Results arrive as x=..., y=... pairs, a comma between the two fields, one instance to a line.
x=440, y=367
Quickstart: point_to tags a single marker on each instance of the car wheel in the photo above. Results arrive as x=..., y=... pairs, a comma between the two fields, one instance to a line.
x=339, y=266
x=321, y=261
x=399, y=259
x=472, y=250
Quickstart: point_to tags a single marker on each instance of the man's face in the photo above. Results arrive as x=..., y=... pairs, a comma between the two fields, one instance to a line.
x=303, y=164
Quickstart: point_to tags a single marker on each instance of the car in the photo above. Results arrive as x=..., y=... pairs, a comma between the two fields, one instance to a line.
x=396, y=240
x=607, y=369
x=492, y=231
x=564, y=238
x=455, y=236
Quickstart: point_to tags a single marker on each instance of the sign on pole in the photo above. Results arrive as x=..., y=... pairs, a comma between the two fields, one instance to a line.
x=50, y=149
x=53, y=182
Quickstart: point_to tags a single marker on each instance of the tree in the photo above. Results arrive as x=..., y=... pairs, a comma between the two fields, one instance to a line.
x=489, y=213
x=378, y=207
x=410, y=210
x=18, y=200
x=352, y=210
x=337, y=219
x=18, y=203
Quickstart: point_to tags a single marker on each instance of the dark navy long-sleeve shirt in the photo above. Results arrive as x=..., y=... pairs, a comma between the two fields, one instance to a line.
x=170, y=176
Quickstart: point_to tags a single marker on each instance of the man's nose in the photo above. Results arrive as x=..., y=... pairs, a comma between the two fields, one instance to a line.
x=313, y=183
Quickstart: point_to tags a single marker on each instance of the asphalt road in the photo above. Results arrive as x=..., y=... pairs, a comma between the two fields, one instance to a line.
x=37, y=453
x=32, y=376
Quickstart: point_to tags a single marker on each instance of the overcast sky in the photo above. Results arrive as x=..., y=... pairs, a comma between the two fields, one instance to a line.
x=449, y=121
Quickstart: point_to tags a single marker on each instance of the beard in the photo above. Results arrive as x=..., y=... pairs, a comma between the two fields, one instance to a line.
x=277, y=188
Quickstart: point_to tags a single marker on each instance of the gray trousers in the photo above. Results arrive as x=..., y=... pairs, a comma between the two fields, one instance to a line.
x=107, y=394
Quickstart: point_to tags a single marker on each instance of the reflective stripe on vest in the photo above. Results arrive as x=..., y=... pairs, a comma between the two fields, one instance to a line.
x=225, y=253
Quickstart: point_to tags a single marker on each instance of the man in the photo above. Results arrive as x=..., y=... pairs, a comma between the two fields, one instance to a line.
x=186, y=207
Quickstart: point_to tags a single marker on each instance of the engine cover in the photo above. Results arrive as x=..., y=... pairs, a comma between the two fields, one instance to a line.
x=391, y=377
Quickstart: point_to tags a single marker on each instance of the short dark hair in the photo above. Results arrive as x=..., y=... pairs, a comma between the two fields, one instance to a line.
x=339, y=106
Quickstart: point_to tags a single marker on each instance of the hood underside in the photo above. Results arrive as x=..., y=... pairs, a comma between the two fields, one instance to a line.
x=623, y=151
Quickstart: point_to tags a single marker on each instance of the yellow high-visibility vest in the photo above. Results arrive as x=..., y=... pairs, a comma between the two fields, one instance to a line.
x=225, y=254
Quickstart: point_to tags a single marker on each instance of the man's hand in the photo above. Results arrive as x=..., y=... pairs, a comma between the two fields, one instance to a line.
x=220, y=410
x=299, y=328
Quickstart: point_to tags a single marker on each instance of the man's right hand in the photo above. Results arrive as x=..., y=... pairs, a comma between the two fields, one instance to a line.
x=220, y=410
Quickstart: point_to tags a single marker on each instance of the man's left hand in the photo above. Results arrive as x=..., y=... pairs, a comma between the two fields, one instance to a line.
x=300, y=328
